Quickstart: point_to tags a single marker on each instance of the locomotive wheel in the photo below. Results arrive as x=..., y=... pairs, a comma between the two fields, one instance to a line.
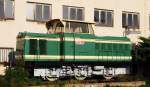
x=52, y=75
x=51, y=78
x=80, y=73
x=80, y=77
x=108, y=73
x=108, y=77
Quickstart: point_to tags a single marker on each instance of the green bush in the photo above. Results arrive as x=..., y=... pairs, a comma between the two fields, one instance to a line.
x=34, y=82
x=147, y=84
x=17, y=76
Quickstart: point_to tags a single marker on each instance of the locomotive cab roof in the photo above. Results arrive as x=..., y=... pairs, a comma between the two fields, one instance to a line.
x=69, y=26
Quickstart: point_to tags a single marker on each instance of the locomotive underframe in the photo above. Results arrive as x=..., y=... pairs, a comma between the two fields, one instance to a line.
x=80, y=70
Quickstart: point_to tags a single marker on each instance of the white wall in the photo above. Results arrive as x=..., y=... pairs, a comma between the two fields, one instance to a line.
x=10, y=28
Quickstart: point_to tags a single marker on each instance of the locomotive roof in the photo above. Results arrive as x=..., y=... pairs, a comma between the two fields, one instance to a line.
x=111, y=38
x=51, y=22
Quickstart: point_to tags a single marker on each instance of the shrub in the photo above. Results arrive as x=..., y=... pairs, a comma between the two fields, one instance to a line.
x=15, y=76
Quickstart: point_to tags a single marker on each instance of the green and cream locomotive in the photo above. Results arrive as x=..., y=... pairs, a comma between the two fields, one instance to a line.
x=70, y=49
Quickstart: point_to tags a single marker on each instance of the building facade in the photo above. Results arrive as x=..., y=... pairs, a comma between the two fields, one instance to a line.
x=129, y=18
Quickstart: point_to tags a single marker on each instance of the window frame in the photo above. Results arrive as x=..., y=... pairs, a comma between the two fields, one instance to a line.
x=107, y=23
x=37, y=47
x=149, y=21
x=69, y=29
x=76, y=13
x=34, y=12
x=4, y=9
x=133, y=23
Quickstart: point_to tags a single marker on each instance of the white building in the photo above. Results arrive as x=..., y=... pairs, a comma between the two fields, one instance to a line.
x=111, y=16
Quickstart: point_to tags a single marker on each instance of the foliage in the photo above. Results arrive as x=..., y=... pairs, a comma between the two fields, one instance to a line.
x=147, y=84
x=17, y=76
x=144, y=54
x=144, y=49
x=34, y=82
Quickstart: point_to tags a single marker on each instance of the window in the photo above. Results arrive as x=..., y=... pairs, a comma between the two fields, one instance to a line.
x=130, y=20
x=103, y=17
x=6, y=9
x=77, y=27
x=38, y=12
x=33, y=46
x=73, y=13
x=42, y=47
x=37, y=47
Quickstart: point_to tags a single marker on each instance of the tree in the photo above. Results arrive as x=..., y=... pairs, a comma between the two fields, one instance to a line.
x=144, y=54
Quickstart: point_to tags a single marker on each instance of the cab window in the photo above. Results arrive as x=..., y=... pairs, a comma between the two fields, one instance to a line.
x=59, y=28
x=75, y=27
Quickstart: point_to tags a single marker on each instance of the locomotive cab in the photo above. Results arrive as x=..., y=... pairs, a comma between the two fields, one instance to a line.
x=66, y=26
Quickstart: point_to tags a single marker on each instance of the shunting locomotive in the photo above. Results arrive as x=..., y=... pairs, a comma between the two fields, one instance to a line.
x=70, y=49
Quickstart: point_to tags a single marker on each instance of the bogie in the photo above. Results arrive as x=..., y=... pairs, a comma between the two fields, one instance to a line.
x=79, y=72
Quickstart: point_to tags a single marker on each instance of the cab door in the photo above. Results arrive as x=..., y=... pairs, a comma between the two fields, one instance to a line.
x=78, y=41
x=84, y=41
